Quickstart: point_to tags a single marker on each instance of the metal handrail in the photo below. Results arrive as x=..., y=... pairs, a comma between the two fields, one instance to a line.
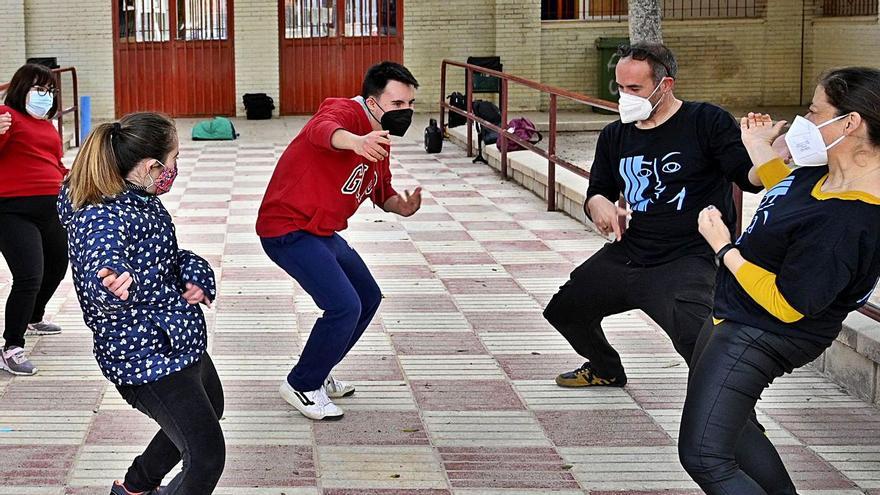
x=503, y=135
x=74, y=109
x=871, y=310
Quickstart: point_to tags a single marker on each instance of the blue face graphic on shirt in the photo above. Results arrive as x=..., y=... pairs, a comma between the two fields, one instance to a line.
x=762, y=214
x=644, y=181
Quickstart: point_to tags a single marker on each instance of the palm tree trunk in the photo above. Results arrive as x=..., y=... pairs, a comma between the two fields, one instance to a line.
x=644, y=21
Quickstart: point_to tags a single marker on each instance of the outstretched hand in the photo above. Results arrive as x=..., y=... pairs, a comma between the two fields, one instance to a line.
x=372, y=146
x=759, y=129
x=409, y=203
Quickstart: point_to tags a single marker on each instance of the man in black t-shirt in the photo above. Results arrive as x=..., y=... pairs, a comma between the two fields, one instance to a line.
x=669, y=159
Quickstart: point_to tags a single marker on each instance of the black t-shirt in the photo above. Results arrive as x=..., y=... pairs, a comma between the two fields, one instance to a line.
x=825, y=254
x=668, y=174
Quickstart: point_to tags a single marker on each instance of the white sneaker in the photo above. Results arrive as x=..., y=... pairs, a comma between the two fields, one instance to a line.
x=337, y=388
x=313, y=404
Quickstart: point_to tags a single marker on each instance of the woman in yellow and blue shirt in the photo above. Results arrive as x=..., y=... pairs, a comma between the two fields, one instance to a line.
x=810, y=256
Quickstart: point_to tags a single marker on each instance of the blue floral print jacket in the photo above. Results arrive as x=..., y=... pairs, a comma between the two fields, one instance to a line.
x=155, y=332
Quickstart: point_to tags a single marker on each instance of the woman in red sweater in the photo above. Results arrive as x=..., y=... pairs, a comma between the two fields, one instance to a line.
x=32, y=240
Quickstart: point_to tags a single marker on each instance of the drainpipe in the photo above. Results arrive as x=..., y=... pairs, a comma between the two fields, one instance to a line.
x=803, y=36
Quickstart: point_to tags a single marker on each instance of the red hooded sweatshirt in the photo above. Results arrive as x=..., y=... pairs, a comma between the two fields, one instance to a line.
x=316, y=187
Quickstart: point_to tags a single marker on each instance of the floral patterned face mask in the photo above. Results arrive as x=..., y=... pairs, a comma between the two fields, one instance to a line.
x=165, y=180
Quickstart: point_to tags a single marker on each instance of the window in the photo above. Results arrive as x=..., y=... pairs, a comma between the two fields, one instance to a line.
x=309, y=18
x=712, y=9
x=371, y=18
x=559, y=9
x=201, y=20
x=144, y=20
x=842, y=8
x=671, y=9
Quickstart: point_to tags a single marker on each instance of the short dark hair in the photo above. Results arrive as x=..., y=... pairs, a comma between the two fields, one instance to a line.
x=25, y=78
x=856, y=89
x=377, y=78
x=659, y=57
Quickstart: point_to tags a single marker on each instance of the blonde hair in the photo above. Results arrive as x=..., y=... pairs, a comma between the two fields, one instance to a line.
x=112, y=150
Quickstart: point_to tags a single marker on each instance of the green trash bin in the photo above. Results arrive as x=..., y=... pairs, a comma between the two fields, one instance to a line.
x=607, y=62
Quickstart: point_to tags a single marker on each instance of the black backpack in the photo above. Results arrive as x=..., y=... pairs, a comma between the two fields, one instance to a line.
x=457, y=100
x=259, y=106
x=433, y=137
x=489, y=112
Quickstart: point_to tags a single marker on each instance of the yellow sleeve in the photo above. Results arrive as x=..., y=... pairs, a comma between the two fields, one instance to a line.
x=761, y=286
x=772, y=172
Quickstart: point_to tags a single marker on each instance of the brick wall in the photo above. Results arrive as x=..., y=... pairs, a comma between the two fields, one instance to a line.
x=12, y=37
x=81, y=38
x=438, y=29
x=838, y=42
x=518, y=43
x=733, y=62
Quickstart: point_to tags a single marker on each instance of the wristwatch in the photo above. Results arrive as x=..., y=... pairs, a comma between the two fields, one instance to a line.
x=719, y=256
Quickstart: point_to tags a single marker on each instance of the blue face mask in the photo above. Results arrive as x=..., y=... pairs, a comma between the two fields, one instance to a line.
x=39, y=105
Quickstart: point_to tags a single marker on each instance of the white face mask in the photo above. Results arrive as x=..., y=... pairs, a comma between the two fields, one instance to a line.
x=805, y=142
x=634, y=108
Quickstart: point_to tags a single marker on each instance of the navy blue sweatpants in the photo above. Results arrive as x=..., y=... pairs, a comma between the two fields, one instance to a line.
x=341, y=285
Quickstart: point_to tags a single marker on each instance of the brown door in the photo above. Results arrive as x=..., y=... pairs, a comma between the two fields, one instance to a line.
x=327, y=45
x=174, y=56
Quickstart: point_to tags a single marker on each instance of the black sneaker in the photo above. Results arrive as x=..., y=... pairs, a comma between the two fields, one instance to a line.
x=44, y=327
x=586, y=377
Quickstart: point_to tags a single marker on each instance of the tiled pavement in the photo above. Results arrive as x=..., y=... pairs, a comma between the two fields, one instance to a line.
x=455, y=391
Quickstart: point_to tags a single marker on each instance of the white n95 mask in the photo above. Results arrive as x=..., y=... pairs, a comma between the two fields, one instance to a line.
x=634, y=108
x=805, y=142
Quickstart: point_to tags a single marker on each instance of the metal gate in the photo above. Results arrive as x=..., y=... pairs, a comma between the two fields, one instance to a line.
x=174, y=56
x=327, y=45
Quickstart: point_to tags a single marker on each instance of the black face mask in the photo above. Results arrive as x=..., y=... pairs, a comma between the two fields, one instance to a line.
x=395, y=121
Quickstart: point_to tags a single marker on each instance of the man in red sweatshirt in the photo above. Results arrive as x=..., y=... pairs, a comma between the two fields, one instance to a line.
x=338, y=160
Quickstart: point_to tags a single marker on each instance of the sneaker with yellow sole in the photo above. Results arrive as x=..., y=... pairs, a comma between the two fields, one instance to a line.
x=585, y=376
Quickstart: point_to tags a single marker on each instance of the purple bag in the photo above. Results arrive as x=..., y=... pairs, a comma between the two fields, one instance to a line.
x=524, y=129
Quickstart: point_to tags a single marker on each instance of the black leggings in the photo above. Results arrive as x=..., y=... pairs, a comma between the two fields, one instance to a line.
x=188, y=406
x=721, y=444
x=34, y=244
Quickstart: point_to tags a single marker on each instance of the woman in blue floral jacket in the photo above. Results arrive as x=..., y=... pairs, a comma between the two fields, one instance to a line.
x=140, y=294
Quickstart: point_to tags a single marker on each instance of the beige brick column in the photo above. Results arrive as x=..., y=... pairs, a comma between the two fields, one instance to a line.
x=257, y=61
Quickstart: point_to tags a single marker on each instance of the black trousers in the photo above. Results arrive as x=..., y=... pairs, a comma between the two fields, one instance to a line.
x=188, y=406
x=34, y=244
x=721, y=445
x=676, y=295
